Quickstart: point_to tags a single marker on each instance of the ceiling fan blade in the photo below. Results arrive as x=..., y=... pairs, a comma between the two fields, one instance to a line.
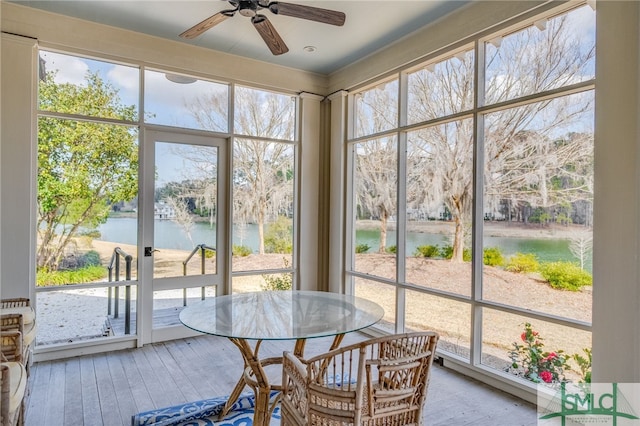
x=208, y=23
x=311, y=13
x=269, y=34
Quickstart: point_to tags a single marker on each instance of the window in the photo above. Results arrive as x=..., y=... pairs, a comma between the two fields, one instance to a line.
x=187, y=102
x=475, y=219
x=263, y=189
x=376, y=109
x=89, y=122
x=87, y=172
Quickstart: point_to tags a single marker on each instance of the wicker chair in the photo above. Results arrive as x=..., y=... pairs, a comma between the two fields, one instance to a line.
x=18, y=315
x=13, y=379
x=381, y=381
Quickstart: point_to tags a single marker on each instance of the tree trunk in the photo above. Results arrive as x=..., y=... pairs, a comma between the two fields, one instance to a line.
x=383, y=233
x=261, y=233
x=457, y=211
x=458, y=240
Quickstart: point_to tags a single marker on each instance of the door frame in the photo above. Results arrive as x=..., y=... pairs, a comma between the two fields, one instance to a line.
x=146, y=282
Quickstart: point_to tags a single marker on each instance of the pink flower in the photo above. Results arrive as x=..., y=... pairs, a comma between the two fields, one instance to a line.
x=552, y=356
x=546, y=376
x=523, y=336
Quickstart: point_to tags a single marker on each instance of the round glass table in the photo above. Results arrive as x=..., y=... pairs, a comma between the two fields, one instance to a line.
x=276, y=315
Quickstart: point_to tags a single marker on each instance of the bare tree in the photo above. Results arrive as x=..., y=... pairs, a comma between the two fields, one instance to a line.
x=581, y=245
x=538, y=153
x=262, y=177
x=182, y=216
x=376, y=180
x=263, y=160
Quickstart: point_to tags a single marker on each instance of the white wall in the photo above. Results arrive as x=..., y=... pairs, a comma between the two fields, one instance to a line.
x=309, y=185
x=616, y=267
x=16, y=172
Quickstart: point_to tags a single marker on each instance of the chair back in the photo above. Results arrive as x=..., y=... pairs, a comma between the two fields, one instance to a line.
x=381, y=381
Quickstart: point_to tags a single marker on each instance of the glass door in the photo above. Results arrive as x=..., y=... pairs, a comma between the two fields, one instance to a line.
x=184, y=247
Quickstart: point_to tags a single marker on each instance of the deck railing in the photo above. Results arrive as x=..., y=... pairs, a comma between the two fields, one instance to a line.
x=118, y=253
x=202, y=248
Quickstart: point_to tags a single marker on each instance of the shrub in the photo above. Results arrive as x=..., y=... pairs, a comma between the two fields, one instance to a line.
x=241, y=251
x=75, y=276
x=584, y=364
x=565, y=275
x=523, y=263
x=278, y=236
x=466, y=255
x=392, y=249
x=93, y=233
x=90, y=258
x=531, y=361
x=362, y=248
x=427, y=251
x=492, y=256
x=539, y=215
x=208, y=254
x=447, y=253
x=278, y=281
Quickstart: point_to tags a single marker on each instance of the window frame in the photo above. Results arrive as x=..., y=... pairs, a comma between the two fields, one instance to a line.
x=476, y=301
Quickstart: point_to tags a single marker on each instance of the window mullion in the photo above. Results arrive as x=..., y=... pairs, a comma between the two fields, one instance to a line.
x=477, y=206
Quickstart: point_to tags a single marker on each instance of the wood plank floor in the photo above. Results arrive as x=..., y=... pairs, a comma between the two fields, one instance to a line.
x=107, y=389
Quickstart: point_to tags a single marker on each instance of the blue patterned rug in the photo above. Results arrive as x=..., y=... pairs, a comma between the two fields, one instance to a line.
x=204, y=413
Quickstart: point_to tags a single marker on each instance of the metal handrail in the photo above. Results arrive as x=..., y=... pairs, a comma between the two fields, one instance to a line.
x=115, y=262
x=202, y=248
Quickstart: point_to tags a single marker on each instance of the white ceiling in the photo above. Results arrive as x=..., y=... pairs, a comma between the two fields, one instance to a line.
x=370, y=25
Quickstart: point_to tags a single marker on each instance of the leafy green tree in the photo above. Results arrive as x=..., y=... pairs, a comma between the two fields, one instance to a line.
x=279, y=236
x=83, y=167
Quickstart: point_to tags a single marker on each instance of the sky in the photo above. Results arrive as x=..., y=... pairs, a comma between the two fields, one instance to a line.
x=165, y=101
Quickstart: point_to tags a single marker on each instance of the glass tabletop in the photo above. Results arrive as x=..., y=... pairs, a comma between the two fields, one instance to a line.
x=280, y=315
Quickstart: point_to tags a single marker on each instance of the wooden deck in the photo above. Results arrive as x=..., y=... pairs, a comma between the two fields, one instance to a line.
x=107, y=389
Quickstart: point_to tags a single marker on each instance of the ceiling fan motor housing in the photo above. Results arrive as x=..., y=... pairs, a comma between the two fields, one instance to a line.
x=248, y=8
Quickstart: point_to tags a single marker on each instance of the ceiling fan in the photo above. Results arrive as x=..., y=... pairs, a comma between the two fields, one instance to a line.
x=267, y=31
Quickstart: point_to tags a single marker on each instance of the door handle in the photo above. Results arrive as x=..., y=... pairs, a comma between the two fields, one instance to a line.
x=148, y=251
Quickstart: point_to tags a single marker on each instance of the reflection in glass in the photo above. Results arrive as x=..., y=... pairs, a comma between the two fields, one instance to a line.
x=182, y=101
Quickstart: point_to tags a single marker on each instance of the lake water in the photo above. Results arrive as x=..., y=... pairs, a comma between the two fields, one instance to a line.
x=169, y=235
